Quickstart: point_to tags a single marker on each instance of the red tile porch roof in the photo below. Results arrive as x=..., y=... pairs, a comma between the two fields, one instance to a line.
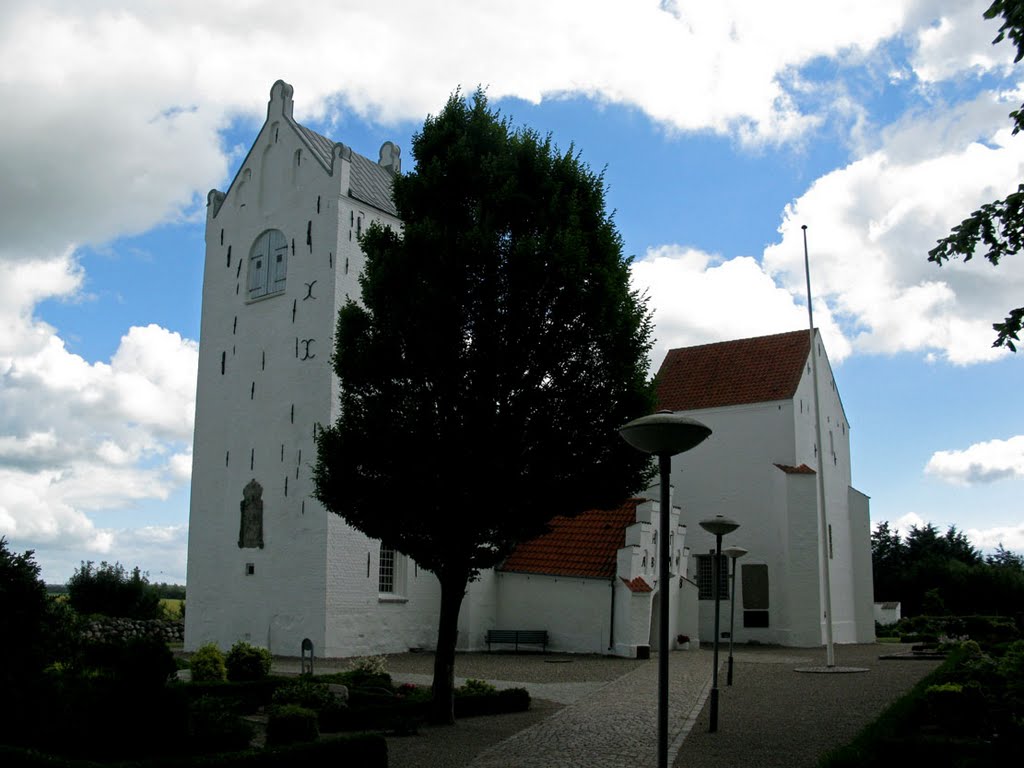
x=586, y=545
x=803, y=469
x=637, y=585
x=739, y=372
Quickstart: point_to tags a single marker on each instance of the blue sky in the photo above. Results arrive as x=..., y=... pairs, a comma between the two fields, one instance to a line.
x=721, y=127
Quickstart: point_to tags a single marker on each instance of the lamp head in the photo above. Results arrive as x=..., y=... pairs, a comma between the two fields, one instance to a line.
x=719, y=525
x=734, y=552
x=664, y=433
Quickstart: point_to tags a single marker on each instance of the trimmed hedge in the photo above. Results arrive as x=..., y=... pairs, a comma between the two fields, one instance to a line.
x=365, y=750
x=498, y=703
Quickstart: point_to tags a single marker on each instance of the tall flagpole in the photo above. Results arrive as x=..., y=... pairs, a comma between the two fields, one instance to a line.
x=830, y=651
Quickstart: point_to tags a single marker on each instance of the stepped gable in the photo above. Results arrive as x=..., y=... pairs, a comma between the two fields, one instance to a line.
x=755, y=370
x=586, y=545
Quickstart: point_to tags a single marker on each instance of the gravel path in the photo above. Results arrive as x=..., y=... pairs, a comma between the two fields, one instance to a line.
x=774, y=717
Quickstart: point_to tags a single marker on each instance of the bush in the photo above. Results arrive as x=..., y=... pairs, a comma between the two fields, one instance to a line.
x=214, y=727
x=475, y=687
x=362, y=679
x=145, y=662
x=315, y=695
x=102, y=717
x=247, y=662
x=207, y=664
x=290, y=723
x=246, y=698
x=110, y=590
x=366, y=674
x=25, y=606
x=305, y=693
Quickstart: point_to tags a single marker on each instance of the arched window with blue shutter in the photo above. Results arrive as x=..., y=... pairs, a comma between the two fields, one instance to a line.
x=268, y=264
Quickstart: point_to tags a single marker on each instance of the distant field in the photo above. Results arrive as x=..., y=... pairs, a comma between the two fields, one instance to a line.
x=171, y=606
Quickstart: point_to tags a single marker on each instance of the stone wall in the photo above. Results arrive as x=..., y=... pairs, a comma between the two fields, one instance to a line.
x=110, y=629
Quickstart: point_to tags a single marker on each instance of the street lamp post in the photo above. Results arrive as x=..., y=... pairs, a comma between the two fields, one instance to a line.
x=664, y=434
x=734, y=554
x=718, y=526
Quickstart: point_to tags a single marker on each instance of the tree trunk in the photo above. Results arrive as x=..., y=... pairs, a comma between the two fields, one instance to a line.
x=442, y=706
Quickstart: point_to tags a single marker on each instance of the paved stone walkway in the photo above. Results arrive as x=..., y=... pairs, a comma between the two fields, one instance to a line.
x=611, y=725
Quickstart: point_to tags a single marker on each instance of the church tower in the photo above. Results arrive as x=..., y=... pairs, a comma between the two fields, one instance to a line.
x=266, y=562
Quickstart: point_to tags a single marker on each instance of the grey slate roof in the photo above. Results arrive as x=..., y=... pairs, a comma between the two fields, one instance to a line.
x=368, y=182
x=371, y=183
x=321, y=145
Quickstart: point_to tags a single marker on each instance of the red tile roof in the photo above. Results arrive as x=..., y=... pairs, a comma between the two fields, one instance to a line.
x=738, y=372
x=803, y=469
x=586, y=545
x=638, y=585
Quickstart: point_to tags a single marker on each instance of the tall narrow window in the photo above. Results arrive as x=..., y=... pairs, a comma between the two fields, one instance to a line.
x=391, y=573
x=386, y=570
x=268, y=264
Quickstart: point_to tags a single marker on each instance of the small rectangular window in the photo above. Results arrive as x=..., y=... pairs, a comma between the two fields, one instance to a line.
x=250, y=569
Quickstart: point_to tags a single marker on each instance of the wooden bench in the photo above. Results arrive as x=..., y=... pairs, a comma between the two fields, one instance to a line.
x=517, y=637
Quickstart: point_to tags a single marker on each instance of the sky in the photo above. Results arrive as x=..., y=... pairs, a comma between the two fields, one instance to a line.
x=721, y=128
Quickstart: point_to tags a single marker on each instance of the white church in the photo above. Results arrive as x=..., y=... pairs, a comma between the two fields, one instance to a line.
x=268, y=564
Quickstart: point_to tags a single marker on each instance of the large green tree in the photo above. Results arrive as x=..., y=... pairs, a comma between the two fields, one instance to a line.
x=999, y=225
x=497, y=350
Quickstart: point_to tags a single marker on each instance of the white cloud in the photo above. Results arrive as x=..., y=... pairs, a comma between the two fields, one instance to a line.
x=179, y=466
x=872, y=223
x=698, y=298
x=112, y=95
x=902, y=525
x=959, y=41
x=78, y=437
x=1010, y=536
x=980, y=463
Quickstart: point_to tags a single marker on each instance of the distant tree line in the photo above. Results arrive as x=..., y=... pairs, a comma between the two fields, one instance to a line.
x=934, y=573
x=113, y=590
x=163, y=590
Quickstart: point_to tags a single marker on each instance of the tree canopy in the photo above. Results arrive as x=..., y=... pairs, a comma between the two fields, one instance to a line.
x=496, y=352
x=999, y=225
x=927, y=569
x=34, y=630
x=112, y=591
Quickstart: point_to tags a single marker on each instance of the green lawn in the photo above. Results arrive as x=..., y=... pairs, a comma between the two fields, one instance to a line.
x=171, y=606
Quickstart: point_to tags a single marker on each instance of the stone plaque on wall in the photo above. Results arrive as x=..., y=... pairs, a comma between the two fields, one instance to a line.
x=250, y=529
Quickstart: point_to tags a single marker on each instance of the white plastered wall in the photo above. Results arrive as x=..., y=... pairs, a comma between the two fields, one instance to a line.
x=264, y=386
x=733, y=473
x=576, y=612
